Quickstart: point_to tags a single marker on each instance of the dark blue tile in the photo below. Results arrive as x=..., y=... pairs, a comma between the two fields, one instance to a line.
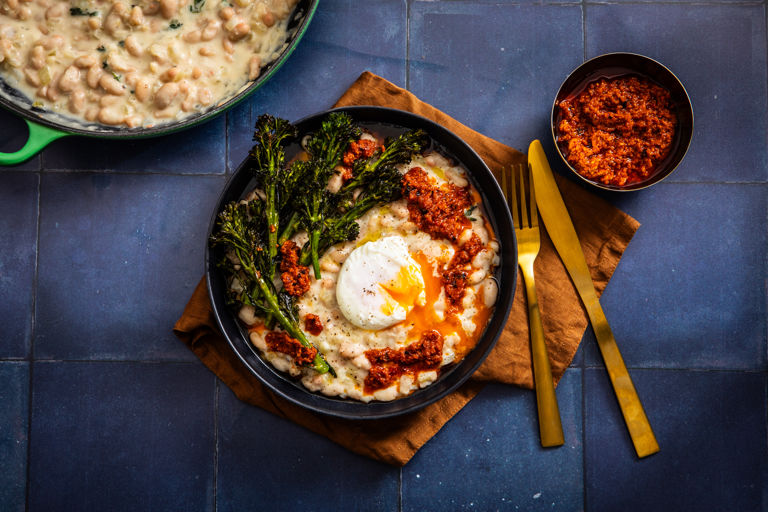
x=329, y=58
x=712, y=433
x=13, y=135
x=689, y=291
x=272, y=464
x=18, y=225
x=719, y=53
x=488, y=457
x=494, y=67
x=121, y=436
x=199, y=150
x=120, y=256
x=14, y=414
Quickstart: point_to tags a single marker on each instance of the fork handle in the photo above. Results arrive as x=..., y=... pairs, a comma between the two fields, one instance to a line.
x=550, y=426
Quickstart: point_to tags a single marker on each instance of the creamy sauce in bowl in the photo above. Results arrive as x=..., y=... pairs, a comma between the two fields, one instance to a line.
x=142, y=64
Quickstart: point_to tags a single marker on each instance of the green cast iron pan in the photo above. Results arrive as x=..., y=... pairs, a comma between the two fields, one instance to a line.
x=46, y=126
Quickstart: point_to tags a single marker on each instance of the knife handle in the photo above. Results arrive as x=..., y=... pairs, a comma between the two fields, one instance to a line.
x=634, y=415
x=550, y=425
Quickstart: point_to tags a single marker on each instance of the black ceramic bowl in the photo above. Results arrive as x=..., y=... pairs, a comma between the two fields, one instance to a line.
x=612, y=65
x=386, y=121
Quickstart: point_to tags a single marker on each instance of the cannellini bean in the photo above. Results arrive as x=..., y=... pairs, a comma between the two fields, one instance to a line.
x=94, y=23
x=37, y=57
x=31, y=76
x=77, y=101
x=137, y=16
x=113, y=23
x=192, y=37
x=268, y=18
x=328, y=265
x=197, y=73
x=130, y=79
x=53, y=92
x=166, y=94
x=118, y=63
x=12, y=4
x=239, y=31
x=55, y=11
x=205, y=96
x=490, y=291
x=85, y=61
x=170, y=74
x=133, y=121
x=205, y=51
x=254, y=67
x=142, y=89
x=210, y=30
x=151, y=8
x=169, y=8
x=228, y=47
x=111, y=85
x=93, y=76
x=91, y=113
x=133, y=46
x=120, y=9
x=69, y=79
x=53, y=42
x=226, y=13
x=110, y=116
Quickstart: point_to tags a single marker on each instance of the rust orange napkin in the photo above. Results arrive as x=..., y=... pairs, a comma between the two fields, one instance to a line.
x=604, y=233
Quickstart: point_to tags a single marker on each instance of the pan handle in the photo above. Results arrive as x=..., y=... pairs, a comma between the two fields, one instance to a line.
x=39, y=137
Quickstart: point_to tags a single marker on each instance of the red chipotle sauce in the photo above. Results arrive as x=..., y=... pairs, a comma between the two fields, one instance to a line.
x=387, y=364
x=617, y=130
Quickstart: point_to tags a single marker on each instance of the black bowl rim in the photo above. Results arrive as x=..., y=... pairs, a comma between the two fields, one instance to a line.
x=506, y=274
x=301, y=16
x=658, y=176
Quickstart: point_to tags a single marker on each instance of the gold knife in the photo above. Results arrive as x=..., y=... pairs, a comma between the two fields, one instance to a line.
x=560, y=228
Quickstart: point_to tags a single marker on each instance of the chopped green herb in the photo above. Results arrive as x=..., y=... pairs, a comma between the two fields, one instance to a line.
x=104, y=64
x=77, y=11
x=468, y=213
x=116, y=76
x=101, y=48
x=121, y=44
x=174, y=24
x=197, y=5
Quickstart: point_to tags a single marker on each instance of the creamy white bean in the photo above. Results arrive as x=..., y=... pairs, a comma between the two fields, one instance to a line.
x=137, y=63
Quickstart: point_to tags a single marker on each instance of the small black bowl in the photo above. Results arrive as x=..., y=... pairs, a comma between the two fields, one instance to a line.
x=612, y=65
x=385, y=121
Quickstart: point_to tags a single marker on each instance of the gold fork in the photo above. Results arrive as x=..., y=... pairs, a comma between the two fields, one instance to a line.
x=528, y=244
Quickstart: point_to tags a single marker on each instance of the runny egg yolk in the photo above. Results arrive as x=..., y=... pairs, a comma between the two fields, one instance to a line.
x=405, y=289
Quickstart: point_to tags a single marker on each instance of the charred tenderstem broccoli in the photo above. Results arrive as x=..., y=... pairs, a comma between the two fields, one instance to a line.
x=397, y=150
x=378, y=182
x=240, y=232
x=326, y=148
x=267, y=159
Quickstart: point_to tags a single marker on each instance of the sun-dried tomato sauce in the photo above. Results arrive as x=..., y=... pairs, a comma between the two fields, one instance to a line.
x=279, y=341
x=455, y=276
x=358, y=149
x=617, y=131
x=312, y=324
x=387, y=364
x=437, y=210
x=295, y=277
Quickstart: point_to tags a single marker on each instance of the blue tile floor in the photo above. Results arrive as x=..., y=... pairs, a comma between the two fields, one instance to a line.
x=102, y=243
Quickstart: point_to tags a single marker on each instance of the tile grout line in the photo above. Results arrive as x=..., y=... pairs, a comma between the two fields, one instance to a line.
x=584, y=489
x=215, y=442
x=31, y=354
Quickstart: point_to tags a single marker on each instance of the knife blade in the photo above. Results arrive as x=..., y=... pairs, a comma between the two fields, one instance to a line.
x=560, y=228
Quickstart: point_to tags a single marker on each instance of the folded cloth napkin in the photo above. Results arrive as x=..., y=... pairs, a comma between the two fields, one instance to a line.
x=604, y=233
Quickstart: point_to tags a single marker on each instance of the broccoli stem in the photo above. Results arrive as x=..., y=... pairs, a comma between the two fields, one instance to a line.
x=319, y=363
x=289, y=229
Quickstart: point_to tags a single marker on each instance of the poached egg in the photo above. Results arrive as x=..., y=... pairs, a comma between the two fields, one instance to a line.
x=379, y=284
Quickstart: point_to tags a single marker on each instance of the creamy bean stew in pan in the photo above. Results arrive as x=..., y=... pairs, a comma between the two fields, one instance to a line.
x=137, y=63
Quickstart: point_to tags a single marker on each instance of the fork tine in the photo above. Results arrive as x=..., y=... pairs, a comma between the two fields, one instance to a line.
x=509, y=188
x=521, y=189
x=532, y=202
